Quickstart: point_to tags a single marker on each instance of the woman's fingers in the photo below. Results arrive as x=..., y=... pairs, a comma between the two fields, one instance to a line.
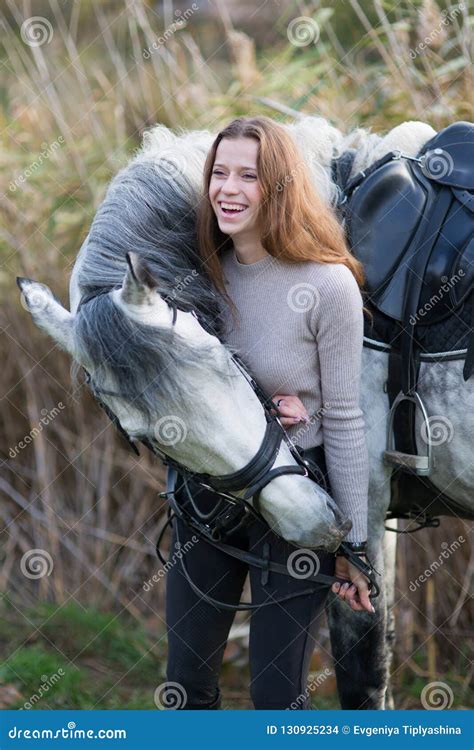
x=356, y=606
x=341, y=589
x=364, y=598
x=287, y=421
x=356, y=596
x=363, y=590
x=291, y=409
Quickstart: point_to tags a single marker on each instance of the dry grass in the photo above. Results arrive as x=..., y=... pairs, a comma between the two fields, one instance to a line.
x=84, y=100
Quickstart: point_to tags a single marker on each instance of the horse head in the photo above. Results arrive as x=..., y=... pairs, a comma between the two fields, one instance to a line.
x=168, y=380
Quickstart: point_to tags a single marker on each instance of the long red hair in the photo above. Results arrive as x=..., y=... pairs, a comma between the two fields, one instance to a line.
x=297, y=224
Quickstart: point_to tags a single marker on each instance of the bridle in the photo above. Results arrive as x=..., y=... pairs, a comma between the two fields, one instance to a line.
x=231, y=511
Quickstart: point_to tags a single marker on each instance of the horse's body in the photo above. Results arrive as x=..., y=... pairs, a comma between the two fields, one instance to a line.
x=151, y=211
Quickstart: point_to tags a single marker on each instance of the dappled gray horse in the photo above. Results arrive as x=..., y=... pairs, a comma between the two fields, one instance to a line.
x=150, y=210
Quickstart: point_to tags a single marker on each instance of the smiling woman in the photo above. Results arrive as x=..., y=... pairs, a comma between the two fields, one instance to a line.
x=278, y=255
x=235, y=193
x=254, y=164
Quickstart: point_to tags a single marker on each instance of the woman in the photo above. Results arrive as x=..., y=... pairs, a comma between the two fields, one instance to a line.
x=295, y=317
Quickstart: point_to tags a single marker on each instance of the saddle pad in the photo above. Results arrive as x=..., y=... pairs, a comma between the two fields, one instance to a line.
x=449, y=335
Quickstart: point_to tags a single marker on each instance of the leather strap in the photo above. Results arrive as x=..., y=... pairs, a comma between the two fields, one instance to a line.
x=255, y=469
x=469, y=361
x=265, y=563
x=421, y=254
x=356, y=181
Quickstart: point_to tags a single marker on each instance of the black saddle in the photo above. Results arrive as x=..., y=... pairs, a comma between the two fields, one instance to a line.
x=410, y=221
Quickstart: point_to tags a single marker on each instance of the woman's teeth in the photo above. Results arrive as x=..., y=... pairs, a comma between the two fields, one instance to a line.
x=229, y=209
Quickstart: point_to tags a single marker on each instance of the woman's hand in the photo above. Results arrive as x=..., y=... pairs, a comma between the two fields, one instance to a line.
x=356, y=591
x=291, y=409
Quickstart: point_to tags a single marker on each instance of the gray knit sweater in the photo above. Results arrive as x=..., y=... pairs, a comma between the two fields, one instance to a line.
x=299, y=331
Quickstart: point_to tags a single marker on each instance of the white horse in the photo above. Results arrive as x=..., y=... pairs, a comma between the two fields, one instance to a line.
x=149, y=208
x=204, y=412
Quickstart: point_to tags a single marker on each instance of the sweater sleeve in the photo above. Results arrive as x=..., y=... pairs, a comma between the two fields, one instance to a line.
x=338, y=326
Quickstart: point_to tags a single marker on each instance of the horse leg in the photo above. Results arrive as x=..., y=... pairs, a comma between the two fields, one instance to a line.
x=390, y=557
x=359, y=644
x=361, y=651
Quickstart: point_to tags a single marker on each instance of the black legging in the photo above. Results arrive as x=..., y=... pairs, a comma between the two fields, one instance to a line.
x=282, y=635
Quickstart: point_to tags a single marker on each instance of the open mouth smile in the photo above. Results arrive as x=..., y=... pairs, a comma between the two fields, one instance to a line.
x=232, y=209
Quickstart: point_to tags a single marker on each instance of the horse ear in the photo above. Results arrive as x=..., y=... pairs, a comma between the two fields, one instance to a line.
x=139, y=281
x=47, y=312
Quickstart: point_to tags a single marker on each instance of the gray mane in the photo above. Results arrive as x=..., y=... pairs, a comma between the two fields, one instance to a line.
x=145, y=363
x=147, y=212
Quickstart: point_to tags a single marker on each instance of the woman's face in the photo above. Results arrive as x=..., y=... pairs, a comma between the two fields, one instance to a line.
x=234, y=190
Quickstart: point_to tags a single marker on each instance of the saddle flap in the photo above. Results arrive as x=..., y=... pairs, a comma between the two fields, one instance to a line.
x=462, y=274
x=449, y=275
x=448, y=158
x=382, y=218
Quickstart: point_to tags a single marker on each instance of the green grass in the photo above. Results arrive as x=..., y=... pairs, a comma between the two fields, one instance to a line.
x=101, y=660
x=69, y=657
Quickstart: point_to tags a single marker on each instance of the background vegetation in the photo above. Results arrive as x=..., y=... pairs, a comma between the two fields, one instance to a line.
x=72, y=110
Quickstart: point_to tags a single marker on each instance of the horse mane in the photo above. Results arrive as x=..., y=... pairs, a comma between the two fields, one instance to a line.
x=144, y=363
x=148, y=213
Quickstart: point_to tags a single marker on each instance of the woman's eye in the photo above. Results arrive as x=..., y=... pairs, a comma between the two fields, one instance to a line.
x=247, y=175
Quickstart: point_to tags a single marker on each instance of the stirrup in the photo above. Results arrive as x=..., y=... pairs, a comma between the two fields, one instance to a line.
x=412, y=463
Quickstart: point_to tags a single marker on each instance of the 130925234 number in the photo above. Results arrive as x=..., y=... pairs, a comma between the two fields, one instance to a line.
x=309, y=729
